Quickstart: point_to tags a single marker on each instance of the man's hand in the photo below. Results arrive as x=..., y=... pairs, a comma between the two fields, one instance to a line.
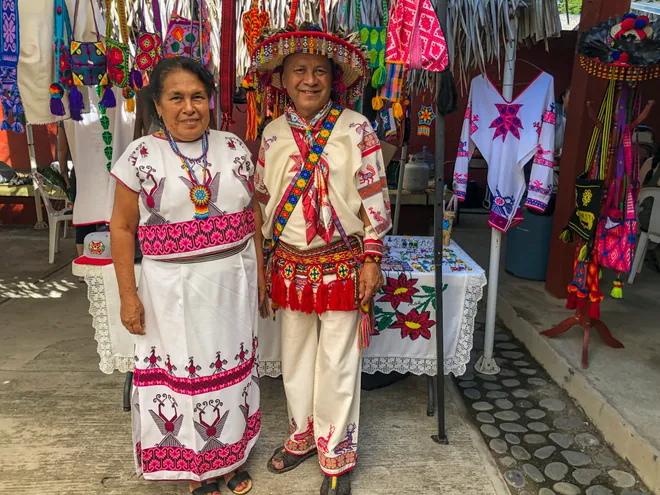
x=263, y=291
x=132, y=314
x=371, y=279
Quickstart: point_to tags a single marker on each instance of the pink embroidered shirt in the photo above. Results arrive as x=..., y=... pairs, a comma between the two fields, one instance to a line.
x=167, y=227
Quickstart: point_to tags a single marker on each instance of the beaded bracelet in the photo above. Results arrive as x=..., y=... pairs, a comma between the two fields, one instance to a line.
x=371, y=258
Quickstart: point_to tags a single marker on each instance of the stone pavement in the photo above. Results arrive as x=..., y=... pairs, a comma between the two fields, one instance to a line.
x=543, y=444
x=63, y=431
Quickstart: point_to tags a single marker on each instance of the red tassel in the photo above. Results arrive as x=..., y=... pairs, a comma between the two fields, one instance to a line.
x=307, y=299
x=321, y=304
x=294, y=304
x=349, y=295
x=278, y=290
x=336, y=290
x=572, y=302
x=594, y=310
x=582, y=299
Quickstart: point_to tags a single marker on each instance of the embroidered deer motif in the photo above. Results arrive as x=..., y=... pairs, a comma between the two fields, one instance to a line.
x=300, y=437
x=322, y=442
x=218, y=364
x=346, y=445
x=168, y=427
x=210, y=432
x=368, y=176
x=152, y=359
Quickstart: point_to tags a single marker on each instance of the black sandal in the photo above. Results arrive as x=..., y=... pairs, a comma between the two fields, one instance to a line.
x=290, y=461
x=336, y=485
x=238, y=478
x=207, y=488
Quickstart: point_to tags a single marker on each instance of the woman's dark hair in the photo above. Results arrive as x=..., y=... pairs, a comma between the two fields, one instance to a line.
x=562, y=96
x=164, y=68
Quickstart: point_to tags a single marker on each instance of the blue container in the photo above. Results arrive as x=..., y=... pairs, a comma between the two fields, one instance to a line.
x=528, y=247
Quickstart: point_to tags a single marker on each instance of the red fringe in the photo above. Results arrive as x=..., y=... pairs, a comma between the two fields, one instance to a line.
x=582, y=299
x=594, y=310
x=335, y=302
x=349, y=296
x=307, y=299
x=252, y=119
x=572, y=301
x=294, y=304
x=278, y=290
x=321, y=304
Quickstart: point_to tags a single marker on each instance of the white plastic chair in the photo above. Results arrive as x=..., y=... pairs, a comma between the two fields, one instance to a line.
x=653, y=233
x=48, y=192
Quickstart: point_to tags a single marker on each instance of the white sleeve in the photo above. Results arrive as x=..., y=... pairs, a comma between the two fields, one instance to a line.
x=124, y=169
x=540, y=181
x=465, y=150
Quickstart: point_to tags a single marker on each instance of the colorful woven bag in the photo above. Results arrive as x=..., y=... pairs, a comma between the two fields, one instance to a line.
x=374, y=38
x=88, y=65
x=61, y=41
x=183, y=39
x=9, y=51
x=617, y=238
x=118, y=57
x=149, y=46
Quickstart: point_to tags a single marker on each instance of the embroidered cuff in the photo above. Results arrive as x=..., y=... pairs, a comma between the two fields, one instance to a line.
x=373, y=247
x=460, y=185
x=538, y=203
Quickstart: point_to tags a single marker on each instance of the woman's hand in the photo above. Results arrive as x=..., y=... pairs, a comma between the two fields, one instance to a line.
x=263, y=291
x=371, y=279
x=132, y=314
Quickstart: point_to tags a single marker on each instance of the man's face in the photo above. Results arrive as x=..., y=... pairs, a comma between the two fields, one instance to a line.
x=308, y=80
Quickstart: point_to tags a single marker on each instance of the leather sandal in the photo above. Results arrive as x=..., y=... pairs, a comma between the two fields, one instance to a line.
x=238, y=478
x=336, y=485
x=289, y=460
x=207, y=488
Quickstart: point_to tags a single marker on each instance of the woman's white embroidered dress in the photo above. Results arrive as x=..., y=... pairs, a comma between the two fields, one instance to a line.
x=196, y=402
x=508, y=135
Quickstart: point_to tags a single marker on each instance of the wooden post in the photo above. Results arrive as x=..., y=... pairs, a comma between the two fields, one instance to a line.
x=576, y=141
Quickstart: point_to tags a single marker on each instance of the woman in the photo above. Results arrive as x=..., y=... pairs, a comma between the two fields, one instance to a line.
x=187, y=191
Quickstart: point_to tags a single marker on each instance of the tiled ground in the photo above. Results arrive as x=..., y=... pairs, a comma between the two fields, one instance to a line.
x=542, y=442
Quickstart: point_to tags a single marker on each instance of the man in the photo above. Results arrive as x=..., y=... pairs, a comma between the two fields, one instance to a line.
x=320, y=180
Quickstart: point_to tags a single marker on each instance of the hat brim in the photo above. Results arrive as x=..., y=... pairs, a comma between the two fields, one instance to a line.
x=86, y=260
x=270, y=54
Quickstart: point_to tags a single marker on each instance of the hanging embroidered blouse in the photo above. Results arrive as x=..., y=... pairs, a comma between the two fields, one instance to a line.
x=9, y=50
x=88, y=66
x=61, y=43
x=508, y=135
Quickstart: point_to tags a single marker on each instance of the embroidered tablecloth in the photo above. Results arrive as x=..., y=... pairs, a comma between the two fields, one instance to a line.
x=405, y=313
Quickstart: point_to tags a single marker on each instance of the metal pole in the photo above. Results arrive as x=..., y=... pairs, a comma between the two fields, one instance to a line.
x=441, y=437
x=486, y=364
x=402, y=166
x=33, y=168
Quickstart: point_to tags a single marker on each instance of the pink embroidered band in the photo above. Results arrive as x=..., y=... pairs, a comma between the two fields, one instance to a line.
x=207, y=236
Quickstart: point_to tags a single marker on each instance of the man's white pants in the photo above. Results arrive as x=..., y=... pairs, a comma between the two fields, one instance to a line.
x=321, y=372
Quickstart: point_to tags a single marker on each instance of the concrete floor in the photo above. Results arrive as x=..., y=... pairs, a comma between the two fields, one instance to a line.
x=63, y=431
x=619, y=390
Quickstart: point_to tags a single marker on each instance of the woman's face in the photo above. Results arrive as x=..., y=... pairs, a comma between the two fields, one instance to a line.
x=184, y=105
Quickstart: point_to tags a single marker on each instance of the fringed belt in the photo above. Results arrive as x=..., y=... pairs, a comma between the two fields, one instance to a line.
x=307, y=290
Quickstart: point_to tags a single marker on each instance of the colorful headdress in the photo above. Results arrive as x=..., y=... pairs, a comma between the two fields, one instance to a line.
x=264, y=75
x=624, y=49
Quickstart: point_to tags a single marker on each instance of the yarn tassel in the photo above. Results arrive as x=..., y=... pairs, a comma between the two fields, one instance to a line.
x=136, y=79
x=379, y=78
x=251, y=125
x=294, y=303
x=366, y=325
x=584, y=251
x=617, y=290
x=595, y=297
x=56, y=103
x=377, y=103
x=582, y=296
x=108, y=100
x=321, y=303
x=278, y=291
x=349, y=295
x=6, y=126
x=397, y=110
x=76, y=104
x=307, y=299
x=17, y=127
x=335, y=303
x=572, y=301
x=566, y=235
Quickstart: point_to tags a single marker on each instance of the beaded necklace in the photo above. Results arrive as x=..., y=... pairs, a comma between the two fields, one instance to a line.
x=200, y=193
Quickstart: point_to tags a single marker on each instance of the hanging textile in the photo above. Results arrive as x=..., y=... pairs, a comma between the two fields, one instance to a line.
x=187, y=38
x=88, y=66
x=415, y=38
x=62, y=39
x=374, y=38
x=118, y=57
x=392, y=90
x=149, y=45
x=255, y=20
x=227, y=62
x=12, y=105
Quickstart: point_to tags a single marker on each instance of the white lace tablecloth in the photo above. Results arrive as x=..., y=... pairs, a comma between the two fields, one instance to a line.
x=405, y=313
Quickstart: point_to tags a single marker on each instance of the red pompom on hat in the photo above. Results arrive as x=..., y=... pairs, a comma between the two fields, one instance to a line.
x=627, y=25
